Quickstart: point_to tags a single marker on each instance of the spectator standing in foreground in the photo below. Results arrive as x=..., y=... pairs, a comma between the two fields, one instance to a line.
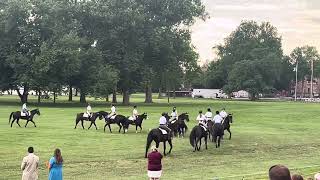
x=317, y=176
x=279, y=172
x=55, y=166
x=30, y=165
x=154, y=164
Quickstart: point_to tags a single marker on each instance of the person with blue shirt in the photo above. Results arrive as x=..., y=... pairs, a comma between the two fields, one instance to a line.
x=55, y=166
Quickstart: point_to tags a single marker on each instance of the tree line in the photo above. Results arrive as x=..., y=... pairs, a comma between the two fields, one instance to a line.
x=252, y=59
x=107, y=46
x=97, y=46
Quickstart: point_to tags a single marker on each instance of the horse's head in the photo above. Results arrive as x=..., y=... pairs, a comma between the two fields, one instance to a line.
x=36, y=111
x=230, y=118
x=144, y=115
x=184, y=116
x=103, y=114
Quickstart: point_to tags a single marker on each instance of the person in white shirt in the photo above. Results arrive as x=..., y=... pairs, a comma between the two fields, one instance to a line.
x=89, y=110
x=113, y=111
x=174, y=114
x=134, y=113
x=24, y=109
x=201, y=119
x=208, y=115
x=163, y=123
x=223, y=113
x=30, y=165
x=218, y=120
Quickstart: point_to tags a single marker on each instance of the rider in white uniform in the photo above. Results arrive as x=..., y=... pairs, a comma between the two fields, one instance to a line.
x=174, y=114
x=89, y=110
x=24, y=109
x=223, y=113
x=202, y=119
x=163, y=123
x=208, y=115
x=134, y=113
x=217, y=119
x=113, y=111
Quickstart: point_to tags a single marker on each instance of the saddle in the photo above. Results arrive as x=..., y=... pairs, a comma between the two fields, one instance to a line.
x=171, y=122
x=204, y=128
x=112, y=117
x=163, y=131
x=24, y=114
x=131, y=118
x=86, y=115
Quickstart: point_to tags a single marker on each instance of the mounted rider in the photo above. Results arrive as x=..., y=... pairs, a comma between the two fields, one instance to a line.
x=89, y=112
x=208, y=115
x=201, y=119
x=218, y=120
x=134, y=113
x=223, y=114
x=113, y=112
x=163, y=123
x=25, y=110
x=174, y=114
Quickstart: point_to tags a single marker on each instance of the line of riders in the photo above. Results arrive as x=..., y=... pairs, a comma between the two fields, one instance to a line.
x=204, y=120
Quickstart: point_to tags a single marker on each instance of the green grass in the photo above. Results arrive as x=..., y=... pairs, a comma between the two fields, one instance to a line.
x=264, y=134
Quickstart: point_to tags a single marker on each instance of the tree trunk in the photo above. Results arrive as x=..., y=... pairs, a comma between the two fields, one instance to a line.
x=24, y=95
x=174, y=93
x=114, y=95
x=302, y=90
x=126, y=97
x=54, y=97
x=107, y=98
x=82, y=97
x=70, y=93
x=39, y=96
x=76, y=92
x=160, y=93
x=148, y=98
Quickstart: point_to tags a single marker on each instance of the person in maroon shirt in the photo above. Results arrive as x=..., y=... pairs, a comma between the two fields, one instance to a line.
x=154, y=164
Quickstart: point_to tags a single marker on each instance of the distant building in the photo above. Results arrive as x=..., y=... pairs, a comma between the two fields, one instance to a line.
x=304, y=88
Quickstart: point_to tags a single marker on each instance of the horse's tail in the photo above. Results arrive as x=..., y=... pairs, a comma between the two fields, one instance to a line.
x=192, y=137
x=10, y=117
x=149, y=140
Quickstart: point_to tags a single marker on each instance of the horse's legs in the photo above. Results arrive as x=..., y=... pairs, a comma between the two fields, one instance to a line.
x=140, y=128
x=229, y=133
x=205, y=141
x=200, y=144
x=12, y=122
x=170, y=143
x=164, y=148
x=136, y=128
x=82, y=124
x=18, y=122
x=33, y=123
x=219, y=141
x=197, y=141
x=94, y=123
x=120, y=127
x=104, y=129
x=90, y=125
x=77, y=121
x=26, y=123
x=109, y=128
x=149, y=141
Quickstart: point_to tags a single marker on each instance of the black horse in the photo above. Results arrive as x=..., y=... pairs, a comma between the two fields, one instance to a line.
x=120, y=120
x=216, y=131
x=138, y=121
x=226, y=124
x=17, y=115
x=197, y=133
x=92, y=119
x=178, y=126
x=157, y=136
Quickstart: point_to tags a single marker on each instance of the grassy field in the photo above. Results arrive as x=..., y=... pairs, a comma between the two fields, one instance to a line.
x=264, y=134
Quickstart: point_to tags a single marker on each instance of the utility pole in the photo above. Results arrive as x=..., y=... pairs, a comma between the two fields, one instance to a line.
x=311, y=88
x=296, y=87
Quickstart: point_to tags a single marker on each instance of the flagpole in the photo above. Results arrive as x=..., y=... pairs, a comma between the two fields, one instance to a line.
x=295, y=90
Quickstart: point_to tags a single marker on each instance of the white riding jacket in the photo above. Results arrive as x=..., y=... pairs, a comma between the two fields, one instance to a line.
x=208, y=116
x=162, y=120
x=217, y=119
x=223, y=114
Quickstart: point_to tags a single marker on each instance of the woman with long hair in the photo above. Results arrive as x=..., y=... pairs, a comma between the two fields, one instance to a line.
x=55, y=166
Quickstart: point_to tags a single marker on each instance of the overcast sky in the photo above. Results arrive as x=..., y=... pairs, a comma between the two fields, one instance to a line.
x=297, y=21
